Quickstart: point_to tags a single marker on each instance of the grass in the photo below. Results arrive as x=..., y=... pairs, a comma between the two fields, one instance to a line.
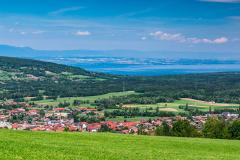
x=5, y=76
x=75, y=77
x=26, y=145
x=91, y=99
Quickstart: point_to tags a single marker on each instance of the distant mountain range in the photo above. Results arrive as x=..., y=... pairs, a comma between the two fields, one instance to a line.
x=129, y=62
x=27, y=52
x=12, y=51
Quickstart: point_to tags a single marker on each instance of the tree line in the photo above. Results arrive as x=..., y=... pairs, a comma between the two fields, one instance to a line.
x=213, y=128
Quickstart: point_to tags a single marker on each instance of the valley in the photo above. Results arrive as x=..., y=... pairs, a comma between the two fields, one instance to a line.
x=45, y=96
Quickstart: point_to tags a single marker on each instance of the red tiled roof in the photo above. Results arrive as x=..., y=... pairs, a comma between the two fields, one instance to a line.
x=129, y=124
x=15, y=126
x=93, y=126
x=59, y=109
x=111, y=124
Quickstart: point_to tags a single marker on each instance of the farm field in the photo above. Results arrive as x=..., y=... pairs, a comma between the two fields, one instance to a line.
x=174, y=106
x=133, y=119
x=15, y=145
x=91, y=99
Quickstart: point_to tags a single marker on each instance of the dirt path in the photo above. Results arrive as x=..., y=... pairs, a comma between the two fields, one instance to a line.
x=168, y=109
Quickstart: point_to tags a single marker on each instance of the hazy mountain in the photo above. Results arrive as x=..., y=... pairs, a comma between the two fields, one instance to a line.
x=6, y=50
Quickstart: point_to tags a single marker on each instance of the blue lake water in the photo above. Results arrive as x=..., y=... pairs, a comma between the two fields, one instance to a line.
x=151, y=70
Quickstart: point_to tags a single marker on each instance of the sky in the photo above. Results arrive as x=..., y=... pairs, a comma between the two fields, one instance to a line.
x=144, y=25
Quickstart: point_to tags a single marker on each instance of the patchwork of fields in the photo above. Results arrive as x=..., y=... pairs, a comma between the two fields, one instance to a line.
x=15, y=145
x=91, y=99
x=168, y=107
x=174, y=106
x=163, y=107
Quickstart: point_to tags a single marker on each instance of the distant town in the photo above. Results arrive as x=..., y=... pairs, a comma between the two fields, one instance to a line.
x=23, y=116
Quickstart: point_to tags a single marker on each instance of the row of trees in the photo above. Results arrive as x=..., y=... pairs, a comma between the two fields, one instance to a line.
x=213, y=128
x=136, y=112
x=116, y=102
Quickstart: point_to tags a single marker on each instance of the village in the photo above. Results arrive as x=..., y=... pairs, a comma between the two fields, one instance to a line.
x=22, y=116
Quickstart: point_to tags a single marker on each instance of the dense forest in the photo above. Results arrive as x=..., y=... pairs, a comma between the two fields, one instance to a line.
x=30, y=78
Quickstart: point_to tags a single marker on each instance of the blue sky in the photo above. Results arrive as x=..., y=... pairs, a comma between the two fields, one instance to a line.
x=146, y=25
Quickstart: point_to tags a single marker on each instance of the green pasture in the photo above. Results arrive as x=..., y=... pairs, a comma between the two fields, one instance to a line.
x=26, y=145
x=175, y=105
x=91, y=99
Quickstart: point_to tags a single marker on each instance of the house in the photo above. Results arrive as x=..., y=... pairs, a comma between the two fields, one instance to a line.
x=4, y=117
x=94, y=127
x=112, y=125
x=33, y=112
x=133, y=130
x=17, y=111
x=129, y=124
x=32, y=77
x=229, y=115
x=15, y=126
x=61, y=115
x=5, y=125
x=83, y=126
x=72, y=128
x=59, y=109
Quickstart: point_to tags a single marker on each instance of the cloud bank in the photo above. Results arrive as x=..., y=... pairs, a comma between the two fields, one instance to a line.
x=183, y=39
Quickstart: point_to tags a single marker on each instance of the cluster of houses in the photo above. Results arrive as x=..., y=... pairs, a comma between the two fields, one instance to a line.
x=37, y=121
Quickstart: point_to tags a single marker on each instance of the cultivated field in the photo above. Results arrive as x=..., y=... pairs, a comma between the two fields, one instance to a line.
x=26, y=145
x=174, y=106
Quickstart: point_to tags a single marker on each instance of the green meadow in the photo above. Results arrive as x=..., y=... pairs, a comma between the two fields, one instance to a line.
x=26, y=145
x=168, y=107
x=174, y=106
x=91, y=99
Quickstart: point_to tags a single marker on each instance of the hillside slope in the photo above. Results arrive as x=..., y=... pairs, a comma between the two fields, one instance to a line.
x=26, y=77
x=69, y=146
x=30, y=78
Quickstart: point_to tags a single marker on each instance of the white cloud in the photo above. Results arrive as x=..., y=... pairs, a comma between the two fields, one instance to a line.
x=38, y=32
x=143, y=38
x=83, y=33
x=64, y=10
x=12, y=30
x=23, y=33
x=167, y=36
x=220, y=40
x=183, y=39
x=221, y=1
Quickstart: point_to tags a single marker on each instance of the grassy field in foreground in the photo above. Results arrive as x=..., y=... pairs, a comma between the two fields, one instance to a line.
x=15, y=145
x=91, y=99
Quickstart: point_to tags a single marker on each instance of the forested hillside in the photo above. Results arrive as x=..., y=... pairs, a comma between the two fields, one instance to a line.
x=25, y=77
x=29, y=78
